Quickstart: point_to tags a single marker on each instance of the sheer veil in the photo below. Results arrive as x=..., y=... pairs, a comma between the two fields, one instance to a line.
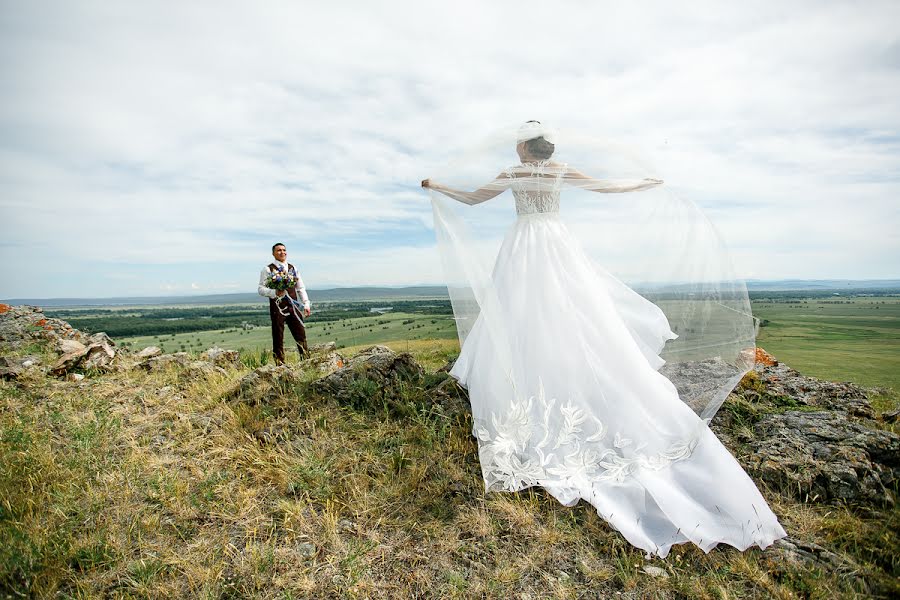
x=656, y=243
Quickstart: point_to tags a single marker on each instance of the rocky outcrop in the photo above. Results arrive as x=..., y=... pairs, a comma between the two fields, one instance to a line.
x=148, y=352
x=267, y=383
x=164, y=361
x=21, y=325
x=782, y=381
x=375, y=375
x=811, y=439
x=221, y=357
x=825, y=456
x=13, y=368
x=324, y=358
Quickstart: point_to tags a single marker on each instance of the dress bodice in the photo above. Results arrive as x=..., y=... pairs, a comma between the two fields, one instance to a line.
x=536, y=187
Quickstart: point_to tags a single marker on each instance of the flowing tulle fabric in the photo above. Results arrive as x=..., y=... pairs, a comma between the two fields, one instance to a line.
x=566, y=370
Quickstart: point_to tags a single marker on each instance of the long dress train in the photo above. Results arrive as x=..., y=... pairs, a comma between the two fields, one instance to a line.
x=562, y=368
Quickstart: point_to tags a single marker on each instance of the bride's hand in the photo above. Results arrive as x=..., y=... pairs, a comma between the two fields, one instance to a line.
x=655, y=181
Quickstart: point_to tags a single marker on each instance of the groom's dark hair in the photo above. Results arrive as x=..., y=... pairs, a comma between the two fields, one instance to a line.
x=276, y=245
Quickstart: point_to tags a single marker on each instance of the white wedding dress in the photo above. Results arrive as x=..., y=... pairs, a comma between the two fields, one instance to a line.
x=562, y=368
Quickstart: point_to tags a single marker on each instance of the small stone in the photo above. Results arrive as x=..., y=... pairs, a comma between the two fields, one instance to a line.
x=655, y=571
x=148, y=352
x=346, y=526
x=306, y=550
x=74, y=377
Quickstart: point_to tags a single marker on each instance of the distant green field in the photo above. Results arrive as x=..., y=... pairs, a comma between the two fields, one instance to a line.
x=377, y=329
x=841, y=339
x=848, y=339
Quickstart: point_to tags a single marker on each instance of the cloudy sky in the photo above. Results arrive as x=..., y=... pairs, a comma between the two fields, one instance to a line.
x=160, y=148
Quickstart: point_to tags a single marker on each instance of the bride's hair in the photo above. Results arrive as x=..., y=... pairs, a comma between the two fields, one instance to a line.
x=540, y=148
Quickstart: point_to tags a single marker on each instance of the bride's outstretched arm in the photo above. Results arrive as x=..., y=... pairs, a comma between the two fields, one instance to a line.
x=482, y=194
x=608, y=186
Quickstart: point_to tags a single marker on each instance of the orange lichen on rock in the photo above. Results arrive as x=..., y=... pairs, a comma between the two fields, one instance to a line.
x=4, y=308
x=41, y=323
x=764, y=358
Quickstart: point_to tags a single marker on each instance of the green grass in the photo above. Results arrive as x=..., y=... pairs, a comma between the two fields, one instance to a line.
x=362, y=331
x=858, y=341
x=156, y=485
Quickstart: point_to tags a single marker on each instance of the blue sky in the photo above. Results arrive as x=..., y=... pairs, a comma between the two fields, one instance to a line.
x=160, y=148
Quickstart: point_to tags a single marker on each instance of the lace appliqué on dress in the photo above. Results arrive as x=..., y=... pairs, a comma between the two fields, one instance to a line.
x=536, y=190
x=574, y=448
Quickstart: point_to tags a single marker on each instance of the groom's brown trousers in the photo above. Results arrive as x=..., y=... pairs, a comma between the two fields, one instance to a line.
x=294, y=322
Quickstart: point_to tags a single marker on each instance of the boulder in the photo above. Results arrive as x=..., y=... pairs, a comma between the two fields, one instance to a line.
x=267, y=382
x=793, y=552
x=69, y=346
x=222, y=357
x=148, y=352
x=324, y=358
x=164, y=361
x=70, y=360
x=446, y=392
x=10, y=368
x=781, y=381
x=202, y=368
x=371, y=377
x=101, y=352
x=824, y=456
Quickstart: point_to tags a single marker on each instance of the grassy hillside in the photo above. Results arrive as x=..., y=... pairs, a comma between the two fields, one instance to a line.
x=170, y=484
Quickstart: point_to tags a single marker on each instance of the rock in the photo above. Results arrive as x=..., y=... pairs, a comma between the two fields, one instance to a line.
x=324, y=358
x=825, y=457
x=97, y=354
x=9, y=368
x=450, y=395
x=267, y=382
x=700, y=380
x=69, y=360
x=64, y=346
x=346, y=526
x=74, y=377
x=100, y=353
x=798, y=553
x=158, y=363
x=655, y=571
x=101, y=338
x=222, y=357
x=890, y=417
x=790, y=388
x=202, y=368
x=370, y=377
x=448, y=367
x=306, y=550
x=326, y=347
x=148, y=352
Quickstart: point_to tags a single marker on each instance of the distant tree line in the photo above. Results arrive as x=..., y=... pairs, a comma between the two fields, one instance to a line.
x=163, y=321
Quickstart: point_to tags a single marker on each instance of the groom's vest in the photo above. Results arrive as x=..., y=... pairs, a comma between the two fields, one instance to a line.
x=291, y=292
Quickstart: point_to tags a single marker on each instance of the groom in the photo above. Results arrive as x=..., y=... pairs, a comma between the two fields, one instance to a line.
x=282, y=310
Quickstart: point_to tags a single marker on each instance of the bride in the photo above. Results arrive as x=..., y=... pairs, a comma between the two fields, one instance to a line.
x=578, y=383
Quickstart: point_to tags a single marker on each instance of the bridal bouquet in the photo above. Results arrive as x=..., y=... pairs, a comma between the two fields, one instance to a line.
x=281, y=280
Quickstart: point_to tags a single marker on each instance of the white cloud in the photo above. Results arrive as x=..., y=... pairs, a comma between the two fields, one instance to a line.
x=178, y=135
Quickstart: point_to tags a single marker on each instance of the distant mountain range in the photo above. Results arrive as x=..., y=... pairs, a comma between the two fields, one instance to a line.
x=369, y=294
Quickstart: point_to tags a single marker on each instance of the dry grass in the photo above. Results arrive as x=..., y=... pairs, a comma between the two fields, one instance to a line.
x=160, y=485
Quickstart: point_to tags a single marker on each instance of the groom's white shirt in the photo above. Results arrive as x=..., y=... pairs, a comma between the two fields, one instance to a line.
x=270, y=293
